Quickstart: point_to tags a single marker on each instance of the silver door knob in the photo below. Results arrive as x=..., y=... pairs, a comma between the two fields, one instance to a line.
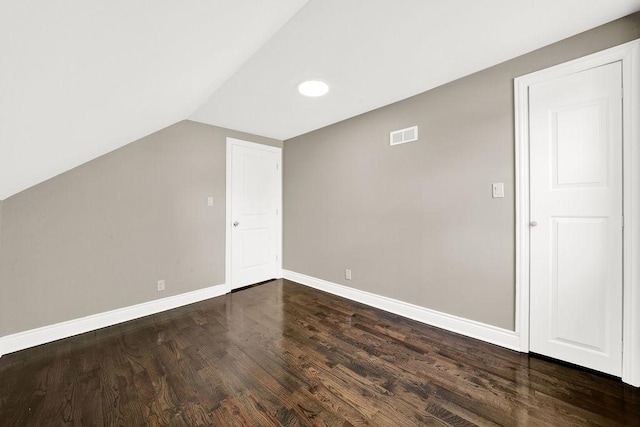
x=235, y=224
x=533, y=223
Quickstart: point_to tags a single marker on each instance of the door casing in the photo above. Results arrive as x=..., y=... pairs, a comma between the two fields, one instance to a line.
x=629, y=55
x=229, y=220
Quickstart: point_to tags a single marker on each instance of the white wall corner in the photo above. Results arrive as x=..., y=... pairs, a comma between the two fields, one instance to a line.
x=631, y=309
x=45, y=334
x=470, y=328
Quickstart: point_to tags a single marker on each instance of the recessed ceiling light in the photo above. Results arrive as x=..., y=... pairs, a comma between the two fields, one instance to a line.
x=313, y=88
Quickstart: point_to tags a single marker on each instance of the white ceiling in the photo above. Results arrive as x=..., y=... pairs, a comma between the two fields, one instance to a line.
x=375, y=52
x=80, y=78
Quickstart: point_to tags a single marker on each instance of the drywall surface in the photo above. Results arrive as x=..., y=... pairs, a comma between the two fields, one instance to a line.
x=0, y=240
x=0, y=220
x=100, y=236
x=417, y=222
x=3, y=290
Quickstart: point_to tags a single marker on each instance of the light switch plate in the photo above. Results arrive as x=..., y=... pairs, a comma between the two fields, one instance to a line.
x=209, y=201
x=497, y=189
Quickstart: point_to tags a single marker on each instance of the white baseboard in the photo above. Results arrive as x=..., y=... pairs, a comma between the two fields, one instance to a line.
x=459, y=325
x=470, y=328
x=45, y=334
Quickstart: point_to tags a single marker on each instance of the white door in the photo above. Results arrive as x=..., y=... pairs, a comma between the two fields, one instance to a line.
x=576, y=218
x=254, y=219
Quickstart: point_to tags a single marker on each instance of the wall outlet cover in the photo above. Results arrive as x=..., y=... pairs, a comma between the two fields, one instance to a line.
x=497, y=189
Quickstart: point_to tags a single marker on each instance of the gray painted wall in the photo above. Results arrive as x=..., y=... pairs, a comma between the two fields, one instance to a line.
x=416, y=222
x=1, y=240
x=99, y=237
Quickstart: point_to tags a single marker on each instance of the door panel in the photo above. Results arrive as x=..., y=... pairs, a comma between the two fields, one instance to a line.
x=254, y=212
x=580, y=144
x=578, y=315
x=576, y=207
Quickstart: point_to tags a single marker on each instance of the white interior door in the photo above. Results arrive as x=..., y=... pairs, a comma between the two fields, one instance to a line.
x=254, y=218
x=576, y=218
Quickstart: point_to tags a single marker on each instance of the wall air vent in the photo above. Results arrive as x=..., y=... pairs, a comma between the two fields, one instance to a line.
x=403, y=135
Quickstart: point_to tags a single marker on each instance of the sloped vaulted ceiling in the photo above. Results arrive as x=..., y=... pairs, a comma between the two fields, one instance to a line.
x=376, y=52
x=80, y=78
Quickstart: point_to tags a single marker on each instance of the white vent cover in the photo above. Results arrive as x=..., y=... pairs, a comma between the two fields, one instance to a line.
x=403, y=135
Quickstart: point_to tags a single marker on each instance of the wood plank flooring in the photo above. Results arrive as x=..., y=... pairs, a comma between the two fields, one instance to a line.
x=284, y=354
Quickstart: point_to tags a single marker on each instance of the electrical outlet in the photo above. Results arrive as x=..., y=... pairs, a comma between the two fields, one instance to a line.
x=347, y=274
x=160, y=285
x=497, y=189
x=209, y=201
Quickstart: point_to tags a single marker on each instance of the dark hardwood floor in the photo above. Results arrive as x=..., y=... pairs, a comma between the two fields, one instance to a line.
x=284, y=354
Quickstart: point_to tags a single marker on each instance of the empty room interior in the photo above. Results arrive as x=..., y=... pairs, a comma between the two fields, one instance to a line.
x=320, y=212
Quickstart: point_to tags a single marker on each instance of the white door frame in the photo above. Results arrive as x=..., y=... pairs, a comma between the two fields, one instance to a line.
x=228, y=220
x=629, y=54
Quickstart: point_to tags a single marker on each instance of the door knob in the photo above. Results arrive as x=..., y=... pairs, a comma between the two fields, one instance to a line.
x=235, y=224
x=533, y=223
